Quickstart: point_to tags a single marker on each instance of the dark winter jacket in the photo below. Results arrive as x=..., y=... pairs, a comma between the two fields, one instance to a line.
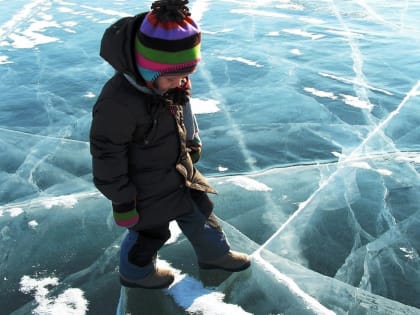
x=138, y=141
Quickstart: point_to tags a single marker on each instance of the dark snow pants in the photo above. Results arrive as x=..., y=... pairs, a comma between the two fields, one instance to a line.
x=139, y=248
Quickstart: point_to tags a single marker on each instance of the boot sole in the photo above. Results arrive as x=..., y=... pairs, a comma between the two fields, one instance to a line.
x=209, y=266
x=130, y=284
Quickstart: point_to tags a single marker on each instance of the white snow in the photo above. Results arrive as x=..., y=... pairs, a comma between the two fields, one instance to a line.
x=70, y=302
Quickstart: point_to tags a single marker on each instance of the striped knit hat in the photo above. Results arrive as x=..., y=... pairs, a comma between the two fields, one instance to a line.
x=168, y=41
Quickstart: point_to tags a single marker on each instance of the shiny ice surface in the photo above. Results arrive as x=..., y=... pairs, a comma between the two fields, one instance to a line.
x=309, y=113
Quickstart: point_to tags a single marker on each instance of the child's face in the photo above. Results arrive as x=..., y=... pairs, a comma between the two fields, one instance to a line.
x=167, y=82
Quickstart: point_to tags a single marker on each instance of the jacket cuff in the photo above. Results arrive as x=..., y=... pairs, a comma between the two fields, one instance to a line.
x=125, y=214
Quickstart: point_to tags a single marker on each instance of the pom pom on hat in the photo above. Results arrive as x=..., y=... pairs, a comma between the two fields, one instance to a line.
x=167, y=41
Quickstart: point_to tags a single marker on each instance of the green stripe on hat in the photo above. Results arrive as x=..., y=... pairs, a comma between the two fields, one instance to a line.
x=168, y=57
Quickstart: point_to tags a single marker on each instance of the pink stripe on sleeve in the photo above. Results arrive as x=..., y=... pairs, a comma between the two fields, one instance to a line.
x=129, y=222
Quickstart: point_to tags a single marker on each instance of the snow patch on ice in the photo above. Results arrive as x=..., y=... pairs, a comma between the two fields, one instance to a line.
x=296, y=52
x=384, y=172
x=204, y=106
x=303, y=33
x=90, y=95
x=4, y=60
x=64, y=201
x=248, y=183
x=320, y=93
x=337, y=154
x=175, y=233
x=242, y=60
x=198, y=9
x=356, y=102
x=13, y=212
x=32, y=224
x=190, y=294
x=221, y=168
x=70, y=302
x=32, y=36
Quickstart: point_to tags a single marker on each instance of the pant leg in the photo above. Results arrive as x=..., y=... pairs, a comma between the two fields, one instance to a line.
x=205, y=234
x=139, y=249
x=147, y=244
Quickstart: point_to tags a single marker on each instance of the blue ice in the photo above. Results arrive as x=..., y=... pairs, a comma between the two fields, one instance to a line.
x=309, y=114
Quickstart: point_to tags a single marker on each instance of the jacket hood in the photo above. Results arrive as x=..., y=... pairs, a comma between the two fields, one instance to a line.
x=117, y=45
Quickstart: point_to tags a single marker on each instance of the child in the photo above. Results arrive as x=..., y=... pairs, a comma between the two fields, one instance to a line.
x=144, y=140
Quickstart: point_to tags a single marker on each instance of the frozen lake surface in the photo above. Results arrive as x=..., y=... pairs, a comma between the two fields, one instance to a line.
x=309, y=114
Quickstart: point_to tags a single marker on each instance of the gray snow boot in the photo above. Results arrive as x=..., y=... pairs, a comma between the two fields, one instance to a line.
x=231, y=261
